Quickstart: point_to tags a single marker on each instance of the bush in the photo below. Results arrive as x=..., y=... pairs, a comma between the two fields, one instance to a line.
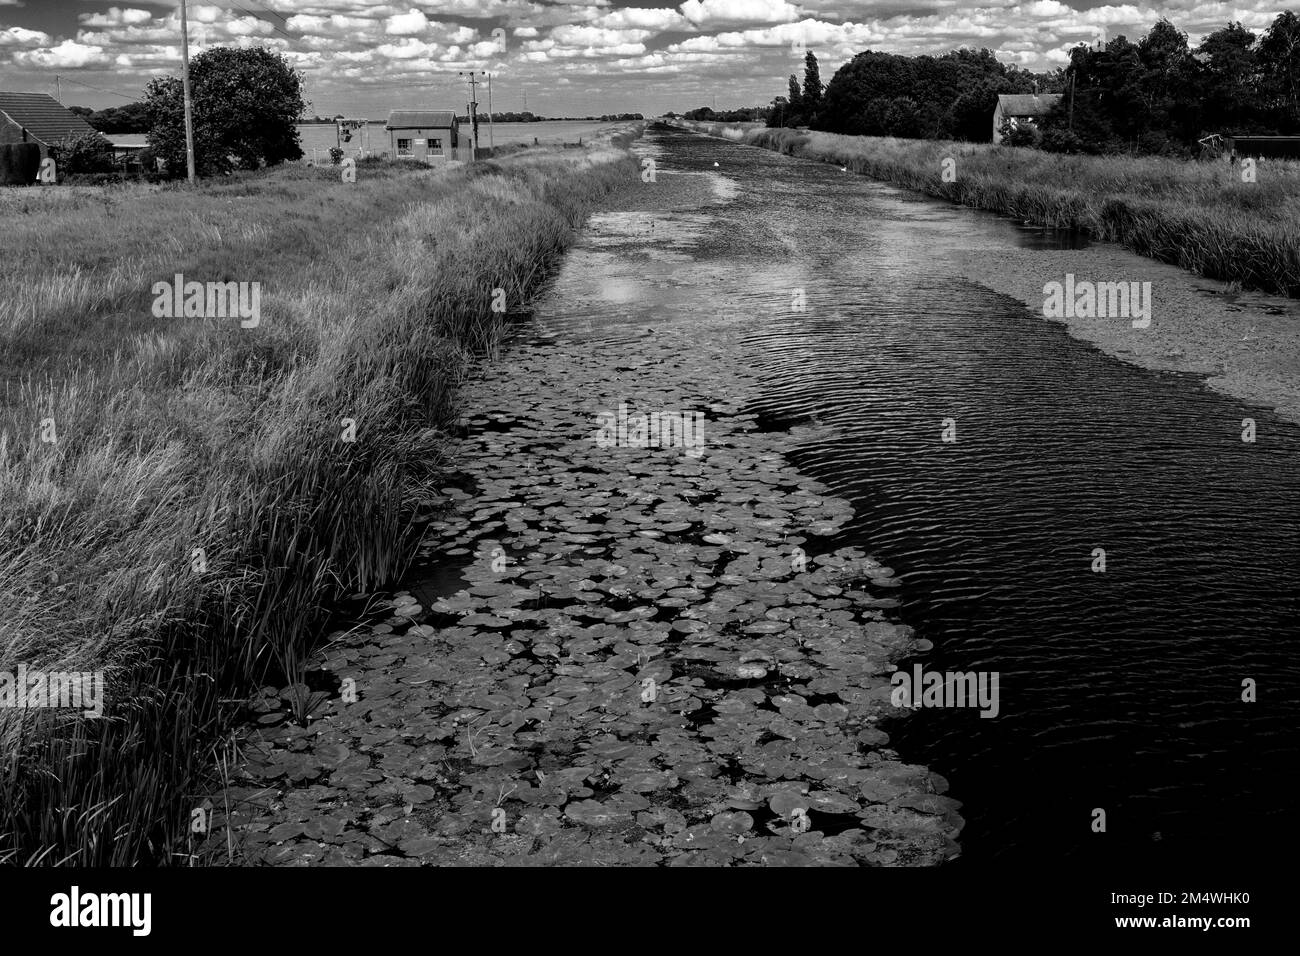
x=1062, y=141
x=1026, y=135
x=89, y=153
x=19, y=164
x=336, y=155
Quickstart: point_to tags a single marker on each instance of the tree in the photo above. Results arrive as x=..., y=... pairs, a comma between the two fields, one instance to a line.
x=903, y=117
x=131, y=118
x=246, y=105
x=1230, y=80
x=812, y=84
x=794, y=113
x=776, y=114
x=1279, y=57
x=953, y=94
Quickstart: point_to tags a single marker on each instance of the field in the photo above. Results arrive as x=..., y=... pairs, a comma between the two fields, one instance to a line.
x=1197, y=215
x=179, y=498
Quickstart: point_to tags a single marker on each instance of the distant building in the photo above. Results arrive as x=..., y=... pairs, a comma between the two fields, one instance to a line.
x=1263, y=147
x=1021, y=109
x=38, y=118
x=426, y=135
x=127, y=148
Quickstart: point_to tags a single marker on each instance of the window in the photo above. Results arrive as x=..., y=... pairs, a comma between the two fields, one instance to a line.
x=435, y=146
x=403, y=147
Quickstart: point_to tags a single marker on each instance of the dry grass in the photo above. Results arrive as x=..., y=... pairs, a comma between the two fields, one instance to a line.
x=186, y=434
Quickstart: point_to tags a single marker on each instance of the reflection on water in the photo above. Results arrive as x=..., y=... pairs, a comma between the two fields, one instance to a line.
x=1120, y=690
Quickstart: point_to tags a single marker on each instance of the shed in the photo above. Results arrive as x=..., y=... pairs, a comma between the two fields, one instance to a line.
x=38, y=118
x=1264, y=147
x=1021, y=109
x=427, y=135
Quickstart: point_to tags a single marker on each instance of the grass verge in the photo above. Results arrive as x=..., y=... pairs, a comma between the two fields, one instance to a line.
x=199, y=503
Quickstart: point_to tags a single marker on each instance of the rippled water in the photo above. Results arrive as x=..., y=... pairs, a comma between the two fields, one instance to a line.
x=1119, y=690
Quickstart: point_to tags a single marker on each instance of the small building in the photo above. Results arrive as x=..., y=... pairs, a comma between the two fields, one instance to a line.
x=127, y=147
x=430, y=136
x=38, y=118
x=1021, y=109
x=1263, y=147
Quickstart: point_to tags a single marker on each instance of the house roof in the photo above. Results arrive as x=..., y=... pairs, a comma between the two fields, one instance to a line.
x=421, y=119
x=44, y=117
x=1027, y=104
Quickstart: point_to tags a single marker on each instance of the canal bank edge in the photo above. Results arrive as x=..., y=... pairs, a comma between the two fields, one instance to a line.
x=1244, y=344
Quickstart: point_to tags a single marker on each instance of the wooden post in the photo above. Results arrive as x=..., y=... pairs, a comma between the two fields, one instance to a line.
x=185, y=87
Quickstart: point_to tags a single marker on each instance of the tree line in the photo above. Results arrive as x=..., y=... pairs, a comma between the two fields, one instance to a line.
x=1158, y=95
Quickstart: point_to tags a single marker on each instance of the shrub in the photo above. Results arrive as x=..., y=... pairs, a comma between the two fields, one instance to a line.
x=336, y=155
x=88, y=153
x=1020, y=135
x=1062, y=141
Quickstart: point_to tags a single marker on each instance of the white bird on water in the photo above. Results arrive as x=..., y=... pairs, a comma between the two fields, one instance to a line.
x=715, y=164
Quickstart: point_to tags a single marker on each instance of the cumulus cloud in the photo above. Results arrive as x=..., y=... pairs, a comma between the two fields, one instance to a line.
x=731, y=13
x=67, y=55
x=117, y=17
x=408, y=24
x=18, y=36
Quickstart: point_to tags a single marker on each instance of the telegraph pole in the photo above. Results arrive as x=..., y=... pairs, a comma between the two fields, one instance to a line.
x=1071, y=123
x=58, y=86
x=473, y=105
x=185, y=87
x=492, y=143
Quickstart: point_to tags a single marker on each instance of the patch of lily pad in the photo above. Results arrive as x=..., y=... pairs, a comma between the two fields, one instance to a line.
x=650, y=658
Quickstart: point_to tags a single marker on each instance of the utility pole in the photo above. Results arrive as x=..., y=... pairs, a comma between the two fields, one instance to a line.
x=492, y=142
x=185, y=87
x=473, y=105
x=1071, y=123
x=58, y=86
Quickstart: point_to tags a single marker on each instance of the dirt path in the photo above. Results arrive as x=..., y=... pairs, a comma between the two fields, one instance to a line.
x=650, y=659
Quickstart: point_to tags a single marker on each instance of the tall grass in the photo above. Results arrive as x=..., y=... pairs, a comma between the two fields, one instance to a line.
x=200, y=507
x=1197, y=215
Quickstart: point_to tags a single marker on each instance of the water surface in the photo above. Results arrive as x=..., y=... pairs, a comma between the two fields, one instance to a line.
x=1121, y=690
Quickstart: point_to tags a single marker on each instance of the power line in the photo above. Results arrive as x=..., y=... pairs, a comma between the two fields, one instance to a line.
x=250, y=13
x=97, y=89
x=264, y=8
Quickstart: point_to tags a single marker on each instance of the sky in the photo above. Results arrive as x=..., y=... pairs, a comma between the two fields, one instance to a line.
x=568, y=57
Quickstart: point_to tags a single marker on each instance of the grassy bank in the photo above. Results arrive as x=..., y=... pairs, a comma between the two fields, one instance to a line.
x=200, y=501
x=1199, y=216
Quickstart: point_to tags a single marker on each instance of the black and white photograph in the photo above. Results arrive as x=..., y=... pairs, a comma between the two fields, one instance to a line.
x=852, y=440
